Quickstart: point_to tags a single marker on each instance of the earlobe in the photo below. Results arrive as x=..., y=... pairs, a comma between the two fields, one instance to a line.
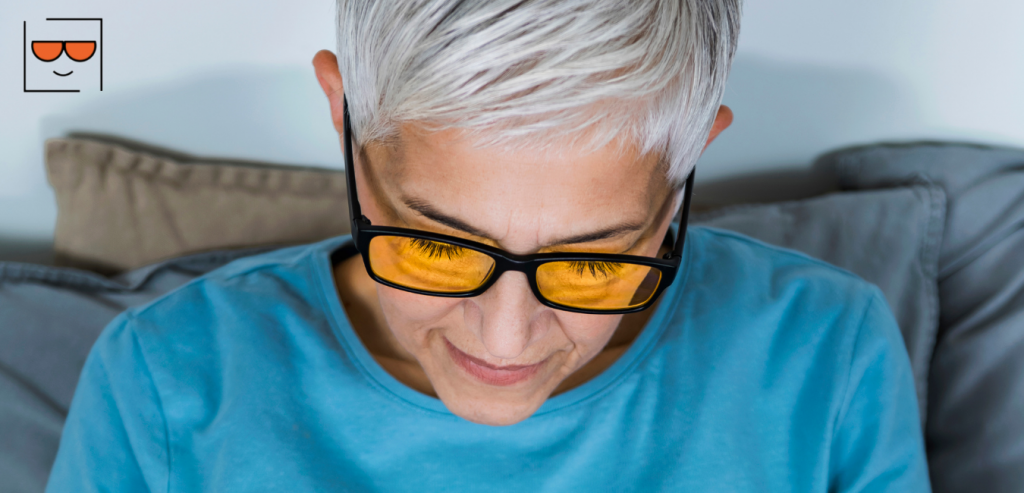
x=325, y=65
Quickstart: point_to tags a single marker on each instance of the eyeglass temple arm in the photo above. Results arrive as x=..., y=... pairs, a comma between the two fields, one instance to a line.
x=355, y=213
x=677, y=248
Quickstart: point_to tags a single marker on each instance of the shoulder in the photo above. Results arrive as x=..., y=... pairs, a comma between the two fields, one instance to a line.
x=277, y=275
x=723, y=251
x=802, y=355
x=729, y=267
x=242, y=311
x=240, y=329
x=769, y=331
x=757, y=302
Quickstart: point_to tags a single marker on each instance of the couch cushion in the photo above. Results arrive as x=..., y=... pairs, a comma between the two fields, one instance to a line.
x=975, y=431
x=118, y=208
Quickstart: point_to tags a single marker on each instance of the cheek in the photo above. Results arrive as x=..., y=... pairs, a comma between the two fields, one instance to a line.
x=588, y=333
x=405, y=309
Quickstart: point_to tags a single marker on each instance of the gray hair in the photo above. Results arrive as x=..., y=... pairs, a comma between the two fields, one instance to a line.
x=531, y=72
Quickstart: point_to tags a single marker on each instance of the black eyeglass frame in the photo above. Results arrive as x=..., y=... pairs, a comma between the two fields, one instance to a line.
x=363, y=232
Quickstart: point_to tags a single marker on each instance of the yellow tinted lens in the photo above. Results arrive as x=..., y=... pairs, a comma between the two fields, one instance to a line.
x=428, y=265
x=597, y=285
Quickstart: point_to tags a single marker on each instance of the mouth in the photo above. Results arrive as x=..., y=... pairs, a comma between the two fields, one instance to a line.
x=63, y=75
x=501, y=376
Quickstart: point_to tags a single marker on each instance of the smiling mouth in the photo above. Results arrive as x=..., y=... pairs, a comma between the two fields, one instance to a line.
x=490, y=374
x=63, y=75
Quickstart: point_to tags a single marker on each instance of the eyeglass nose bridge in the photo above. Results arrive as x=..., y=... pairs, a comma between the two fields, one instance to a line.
x=503, y=266
x=505, y=263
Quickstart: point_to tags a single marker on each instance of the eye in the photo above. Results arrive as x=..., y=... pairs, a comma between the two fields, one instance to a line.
x=437, y=250
x=605, y=269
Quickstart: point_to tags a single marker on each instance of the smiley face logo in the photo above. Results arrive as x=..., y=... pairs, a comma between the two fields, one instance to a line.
x=58, y=50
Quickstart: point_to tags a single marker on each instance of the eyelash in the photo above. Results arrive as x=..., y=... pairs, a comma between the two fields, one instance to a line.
x=437, y=250
x=604, y=268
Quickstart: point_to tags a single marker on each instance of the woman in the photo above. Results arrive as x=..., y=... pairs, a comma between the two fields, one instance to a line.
x=515, y=309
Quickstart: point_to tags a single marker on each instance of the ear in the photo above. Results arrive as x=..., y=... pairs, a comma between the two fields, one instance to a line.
x=722, y=122
x=325, y=64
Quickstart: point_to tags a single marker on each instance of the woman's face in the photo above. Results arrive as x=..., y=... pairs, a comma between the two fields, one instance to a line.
x=496, y=357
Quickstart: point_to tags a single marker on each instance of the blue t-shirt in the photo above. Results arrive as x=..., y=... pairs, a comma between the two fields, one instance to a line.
x=761, y=370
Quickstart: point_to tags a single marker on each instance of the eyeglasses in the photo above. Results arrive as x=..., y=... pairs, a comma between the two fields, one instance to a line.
x=435, y=264
x=49, y=51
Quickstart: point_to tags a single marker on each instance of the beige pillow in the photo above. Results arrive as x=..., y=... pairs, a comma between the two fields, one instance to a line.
x=119, y=208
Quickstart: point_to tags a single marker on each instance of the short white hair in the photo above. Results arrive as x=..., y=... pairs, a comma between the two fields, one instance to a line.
x=533, y=72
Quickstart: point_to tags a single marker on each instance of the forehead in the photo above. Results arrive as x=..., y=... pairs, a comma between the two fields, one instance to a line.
x=513, y=192
x=453, y=159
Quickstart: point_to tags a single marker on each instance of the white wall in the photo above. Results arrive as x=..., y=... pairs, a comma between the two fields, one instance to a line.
x=232, y=78
x=812, y=75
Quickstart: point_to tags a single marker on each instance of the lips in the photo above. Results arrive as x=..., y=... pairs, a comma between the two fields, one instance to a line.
x=489, y=374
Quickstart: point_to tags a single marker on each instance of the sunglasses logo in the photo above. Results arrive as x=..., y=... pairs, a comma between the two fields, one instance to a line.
x=83, y=42
x=49, y=51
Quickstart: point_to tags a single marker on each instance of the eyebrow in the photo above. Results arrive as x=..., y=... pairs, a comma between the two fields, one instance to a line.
x=428, y=211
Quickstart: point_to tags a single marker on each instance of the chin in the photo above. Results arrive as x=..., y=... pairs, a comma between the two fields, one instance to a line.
x=493, y=405
x=491, y=412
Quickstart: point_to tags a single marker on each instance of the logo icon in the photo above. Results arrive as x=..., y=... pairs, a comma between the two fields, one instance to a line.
x=66, y=56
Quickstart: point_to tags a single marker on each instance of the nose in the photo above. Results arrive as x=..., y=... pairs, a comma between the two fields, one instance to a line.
x=506, y=312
